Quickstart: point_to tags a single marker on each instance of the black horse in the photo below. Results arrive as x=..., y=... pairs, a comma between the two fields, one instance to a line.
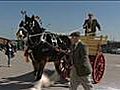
x=44, y=46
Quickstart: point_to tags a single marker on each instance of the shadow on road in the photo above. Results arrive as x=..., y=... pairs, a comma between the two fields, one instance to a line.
x=17, y=82
x=25, y=81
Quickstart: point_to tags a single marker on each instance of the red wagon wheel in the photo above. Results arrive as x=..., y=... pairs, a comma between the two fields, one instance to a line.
x=98, y=68
x=63, y=68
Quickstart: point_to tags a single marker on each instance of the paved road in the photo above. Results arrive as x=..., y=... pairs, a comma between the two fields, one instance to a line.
x=19, y=76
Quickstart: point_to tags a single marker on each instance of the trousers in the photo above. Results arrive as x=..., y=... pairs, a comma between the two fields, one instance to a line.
x=76, y=80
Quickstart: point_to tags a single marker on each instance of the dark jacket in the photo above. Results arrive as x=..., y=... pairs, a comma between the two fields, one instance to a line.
x=10, y=50
x=81, y=60
x=88, y=25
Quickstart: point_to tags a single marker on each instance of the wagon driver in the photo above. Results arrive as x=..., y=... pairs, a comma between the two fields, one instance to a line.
x=91, y=25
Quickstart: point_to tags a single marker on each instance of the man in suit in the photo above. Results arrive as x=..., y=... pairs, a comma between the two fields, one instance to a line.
x=81, y=68
x=90, y=25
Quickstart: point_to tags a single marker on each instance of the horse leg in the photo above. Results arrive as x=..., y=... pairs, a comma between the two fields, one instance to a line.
x=35, y=66
x=56, y=64
x=40, y=69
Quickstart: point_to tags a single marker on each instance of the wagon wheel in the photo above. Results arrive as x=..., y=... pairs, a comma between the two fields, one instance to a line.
x=98, y=68
x=63, y=68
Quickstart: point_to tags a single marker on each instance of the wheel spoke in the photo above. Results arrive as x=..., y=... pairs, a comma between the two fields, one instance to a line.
x=98, y=69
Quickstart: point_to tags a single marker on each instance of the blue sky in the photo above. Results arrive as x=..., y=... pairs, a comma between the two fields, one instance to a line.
x=63, y=16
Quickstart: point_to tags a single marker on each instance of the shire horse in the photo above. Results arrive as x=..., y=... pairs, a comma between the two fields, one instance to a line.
x=44, y=46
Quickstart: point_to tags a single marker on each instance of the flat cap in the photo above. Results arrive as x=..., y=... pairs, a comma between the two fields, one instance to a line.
x=77, y=34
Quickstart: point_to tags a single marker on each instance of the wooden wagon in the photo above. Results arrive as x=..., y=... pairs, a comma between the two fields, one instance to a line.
x=96, y=57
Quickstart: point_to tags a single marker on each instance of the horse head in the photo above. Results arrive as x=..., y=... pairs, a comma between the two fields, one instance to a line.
x=28, y=26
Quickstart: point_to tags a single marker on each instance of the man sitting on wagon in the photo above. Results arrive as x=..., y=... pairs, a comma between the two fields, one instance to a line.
x=90, y=25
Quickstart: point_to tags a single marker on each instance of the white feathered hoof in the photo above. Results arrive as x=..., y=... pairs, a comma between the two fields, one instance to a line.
x=34, y=89
x=45, y=81
x=37, y=86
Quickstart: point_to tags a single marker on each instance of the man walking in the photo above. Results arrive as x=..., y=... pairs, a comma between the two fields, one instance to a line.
x=81, y=67
x=10, y=50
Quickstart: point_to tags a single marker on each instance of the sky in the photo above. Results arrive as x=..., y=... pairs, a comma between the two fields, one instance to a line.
x=61, y=16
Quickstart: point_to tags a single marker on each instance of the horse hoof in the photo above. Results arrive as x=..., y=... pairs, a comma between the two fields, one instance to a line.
x=32, y=89
x=35, y=89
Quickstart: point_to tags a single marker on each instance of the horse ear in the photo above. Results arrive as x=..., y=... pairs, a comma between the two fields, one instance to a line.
x=27, y=18
x=23, y=12
x=21, y=24
x=32, y=17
